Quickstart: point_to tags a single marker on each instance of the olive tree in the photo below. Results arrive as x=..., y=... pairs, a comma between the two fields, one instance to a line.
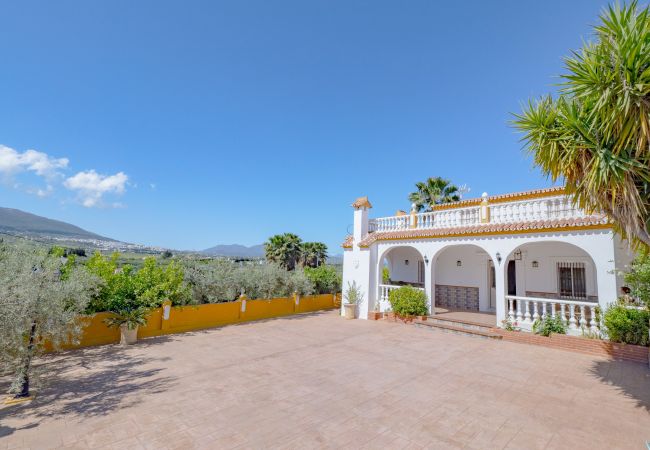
x=41, y=299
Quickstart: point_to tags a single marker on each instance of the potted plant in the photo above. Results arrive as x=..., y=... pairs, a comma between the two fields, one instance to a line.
x=375, y=314
x=128, y=320
x=352, y=296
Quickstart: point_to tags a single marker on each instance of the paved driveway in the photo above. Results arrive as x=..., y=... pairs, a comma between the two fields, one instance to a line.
x=315, y=381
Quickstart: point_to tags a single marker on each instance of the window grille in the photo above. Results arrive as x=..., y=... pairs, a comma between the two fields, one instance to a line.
x=571, y=280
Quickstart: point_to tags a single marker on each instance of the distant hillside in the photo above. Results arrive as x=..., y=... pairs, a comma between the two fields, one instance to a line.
x=236, y=250
x=255, y=251
x=15, y=221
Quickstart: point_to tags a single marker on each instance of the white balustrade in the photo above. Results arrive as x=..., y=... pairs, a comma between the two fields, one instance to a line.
x=546, y=208
x=451, y=218
x=567, y=311
x=383, y=293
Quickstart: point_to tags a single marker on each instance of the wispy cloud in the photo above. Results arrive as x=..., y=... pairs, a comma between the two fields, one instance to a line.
x=92, y=186
x=89, y=186
x=43, y=165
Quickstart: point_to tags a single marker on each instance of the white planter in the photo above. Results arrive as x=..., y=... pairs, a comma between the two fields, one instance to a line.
x=128, y=336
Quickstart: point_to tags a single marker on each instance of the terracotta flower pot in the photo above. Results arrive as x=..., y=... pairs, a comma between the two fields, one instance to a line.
x=350, y=311
x=374, y=315
x=128, y=336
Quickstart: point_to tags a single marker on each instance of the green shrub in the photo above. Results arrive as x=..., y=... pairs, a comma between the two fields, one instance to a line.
x=627, y=325
x=326, y=279
x=385, y=275
x=408, y=301
x=548, y=325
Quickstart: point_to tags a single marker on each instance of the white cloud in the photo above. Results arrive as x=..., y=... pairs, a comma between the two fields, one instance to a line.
x=12, y=162
x=92, y=186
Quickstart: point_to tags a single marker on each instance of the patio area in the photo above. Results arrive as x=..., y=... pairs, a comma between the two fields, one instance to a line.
x=319, y=381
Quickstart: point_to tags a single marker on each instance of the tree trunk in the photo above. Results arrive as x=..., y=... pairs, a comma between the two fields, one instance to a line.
x=24, y=389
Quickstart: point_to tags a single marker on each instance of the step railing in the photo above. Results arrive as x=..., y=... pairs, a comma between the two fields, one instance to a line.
x=578, y=315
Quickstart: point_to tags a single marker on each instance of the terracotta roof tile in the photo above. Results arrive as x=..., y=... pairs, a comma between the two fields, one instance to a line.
x=596, y=221
x=349, y=240
x=362, y=202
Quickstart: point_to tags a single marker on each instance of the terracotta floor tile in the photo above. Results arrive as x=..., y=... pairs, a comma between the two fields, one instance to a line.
x=318, y=381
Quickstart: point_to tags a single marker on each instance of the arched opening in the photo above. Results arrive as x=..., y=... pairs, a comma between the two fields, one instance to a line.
x=465, y=284
x=552, y=269
x=551, y=278
x=399, y=266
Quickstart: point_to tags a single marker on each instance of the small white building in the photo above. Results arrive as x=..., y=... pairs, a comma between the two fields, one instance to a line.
x=520, y=255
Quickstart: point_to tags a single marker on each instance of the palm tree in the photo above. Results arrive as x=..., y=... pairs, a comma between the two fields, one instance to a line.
x=433, y=191
x=313, y=254
x=284, y=249
x=596, y=134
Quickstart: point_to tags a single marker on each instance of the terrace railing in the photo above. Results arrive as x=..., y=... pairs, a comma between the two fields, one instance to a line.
x=547, y=208
x=524, y=311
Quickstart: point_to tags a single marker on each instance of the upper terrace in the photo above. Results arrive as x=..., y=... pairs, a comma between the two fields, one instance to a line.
x=539, y=209
x=543, y=204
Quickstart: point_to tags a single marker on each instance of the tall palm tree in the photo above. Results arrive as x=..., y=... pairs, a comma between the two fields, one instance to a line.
x=596, y=134
x=314, y=254
x=433, y=191
x=284, y=249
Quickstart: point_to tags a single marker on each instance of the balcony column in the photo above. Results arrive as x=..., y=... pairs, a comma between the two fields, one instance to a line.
x=500, y=287
x=429, y=268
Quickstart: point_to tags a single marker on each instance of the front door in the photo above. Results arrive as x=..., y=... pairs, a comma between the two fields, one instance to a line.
x=493, y=287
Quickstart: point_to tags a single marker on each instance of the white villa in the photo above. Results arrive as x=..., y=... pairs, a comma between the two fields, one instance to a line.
x=517, y=256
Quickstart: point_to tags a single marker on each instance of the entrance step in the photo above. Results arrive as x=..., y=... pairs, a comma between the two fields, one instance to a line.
x=461, y=323
x=456, y=326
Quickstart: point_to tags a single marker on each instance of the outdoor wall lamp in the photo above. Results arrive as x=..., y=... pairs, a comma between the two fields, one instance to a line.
x=499, y=257
x=459, y=263
x=535, y=264
x=518, y=255
x=426, y=260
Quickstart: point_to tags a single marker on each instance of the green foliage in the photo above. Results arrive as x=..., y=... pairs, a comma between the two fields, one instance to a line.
x=549, y=324
x=353, y=294
x=433, y=191
x=638, y=278
x=124, y=289
x=627, y=325
x=284, y=249
x=289, y=251
x=132, y=318
x=385, y=275
x=154, y=284
x=595, y=135
x=37, y=305
x=213, y=281
x=314, y=254
x=408, y=301
x=271, y=280
x=325, y=279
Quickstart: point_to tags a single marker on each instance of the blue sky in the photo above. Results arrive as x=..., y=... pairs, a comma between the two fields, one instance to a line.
x=188, y=124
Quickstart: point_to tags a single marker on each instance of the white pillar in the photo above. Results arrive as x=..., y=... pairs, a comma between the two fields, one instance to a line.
x=429, y=287
x=500, y=288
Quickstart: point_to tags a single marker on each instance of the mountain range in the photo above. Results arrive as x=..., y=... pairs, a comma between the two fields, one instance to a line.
x=15, y=221
x=233, y=250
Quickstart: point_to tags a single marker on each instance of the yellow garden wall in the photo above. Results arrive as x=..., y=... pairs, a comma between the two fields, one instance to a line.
x=188, y=318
